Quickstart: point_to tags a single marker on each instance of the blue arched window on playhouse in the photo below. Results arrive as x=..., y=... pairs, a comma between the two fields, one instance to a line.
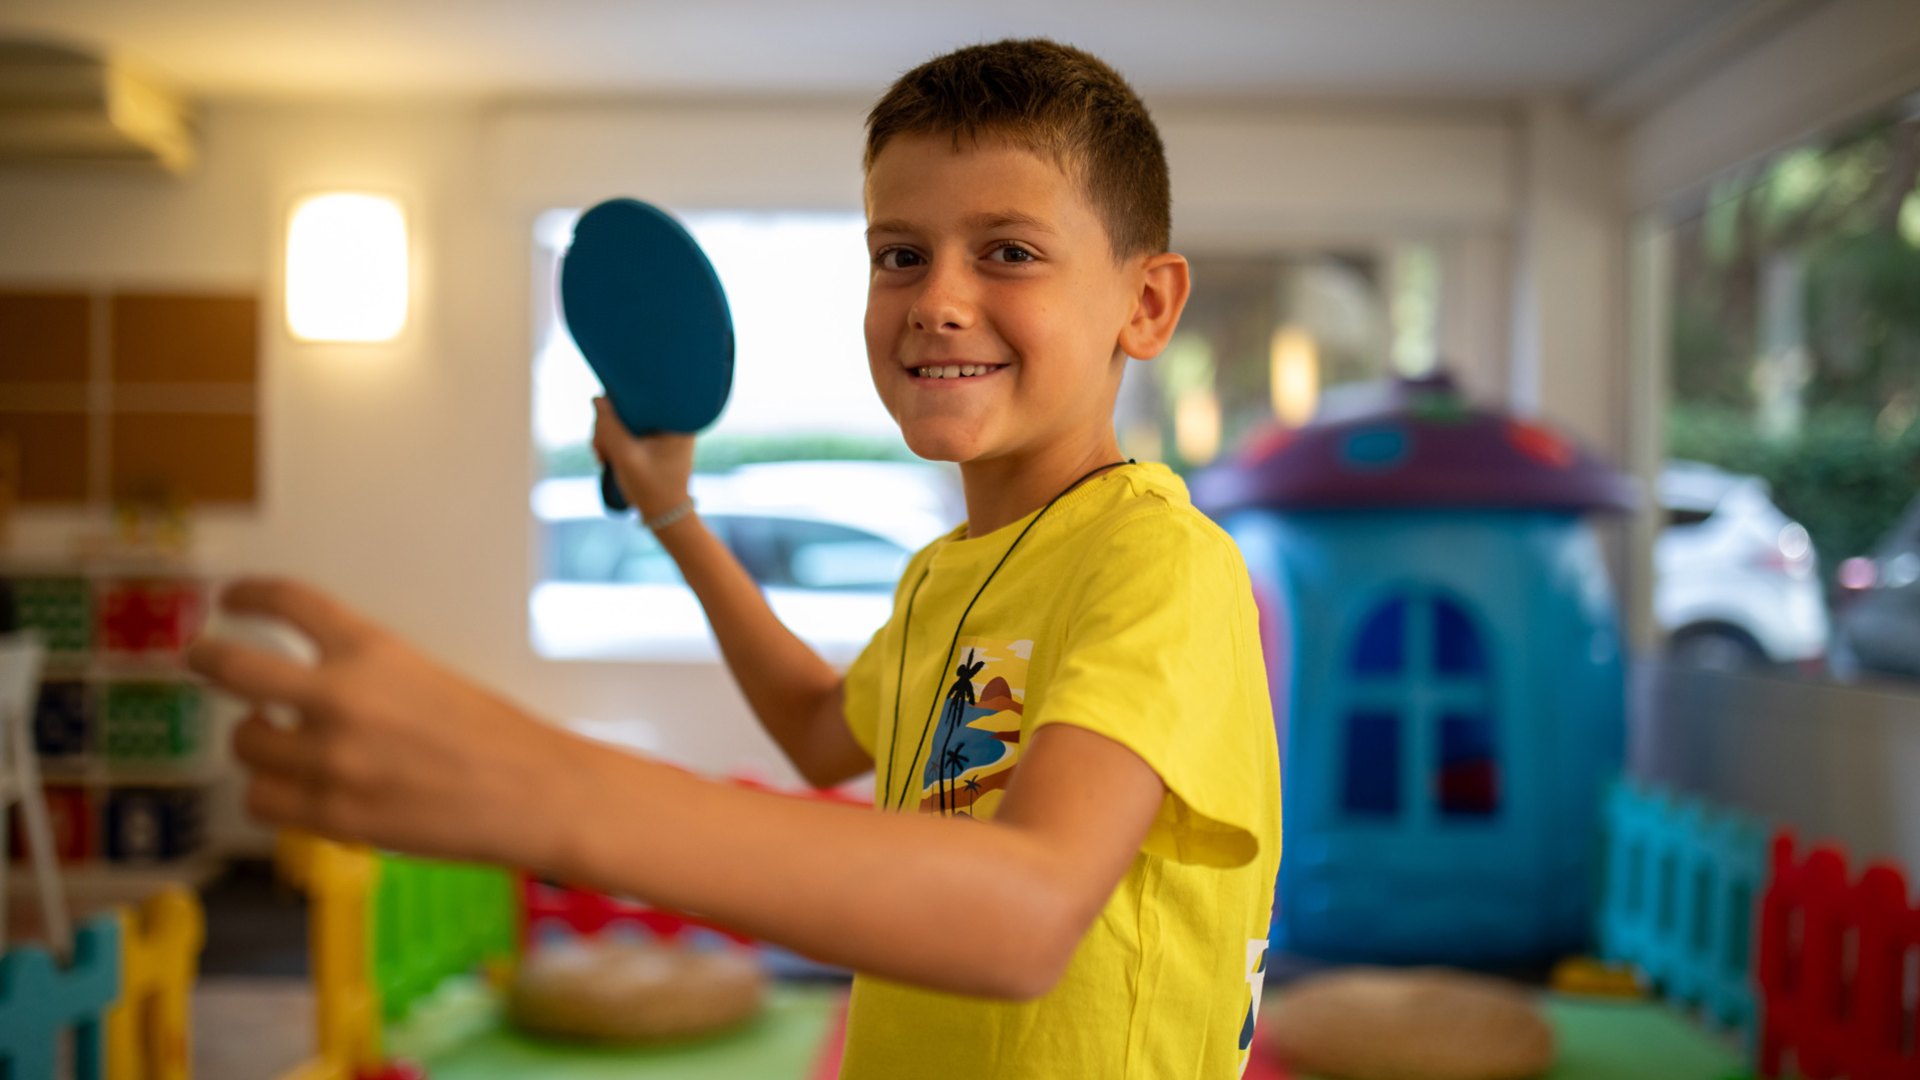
x=1419, y=658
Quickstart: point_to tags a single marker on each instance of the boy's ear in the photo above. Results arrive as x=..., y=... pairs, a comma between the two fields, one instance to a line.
x=1157, y=306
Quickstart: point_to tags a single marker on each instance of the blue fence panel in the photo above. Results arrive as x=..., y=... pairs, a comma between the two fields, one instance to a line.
x=1683, y=888
x=39, y=1001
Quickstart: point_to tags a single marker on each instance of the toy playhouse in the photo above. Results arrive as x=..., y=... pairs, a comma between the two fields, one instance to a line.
x=1446, y=667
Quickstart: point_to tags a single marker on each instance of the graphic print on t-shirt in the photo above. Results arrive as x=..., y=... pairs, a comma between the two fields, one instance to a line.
x=977, y=742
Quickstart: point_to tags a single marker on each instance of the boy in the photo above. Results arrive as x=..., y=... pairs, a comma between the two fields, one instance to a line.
x=1066, y=715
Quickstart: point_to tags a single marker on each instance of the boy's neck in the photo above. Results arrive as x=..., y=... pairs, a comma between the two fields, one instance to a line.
x=1005, y=489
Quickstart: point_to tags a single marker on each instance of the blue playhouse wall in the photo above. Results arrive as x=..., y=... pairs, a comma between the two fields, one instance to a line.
x=1449, y=690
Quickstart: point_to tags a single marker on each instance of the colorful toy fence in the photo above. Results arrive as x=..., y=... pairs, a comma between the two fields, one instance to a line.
x=1839, y=969
x=151, y=1025
x=1682, y=889
x=124, y=997
x=39, y=1002
x=385, y=931
x=432, y=920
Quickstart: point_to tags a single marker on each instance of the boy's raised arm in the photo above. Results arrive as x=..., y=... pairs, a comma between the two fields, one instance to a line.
x=394, y=750
x=795, y=694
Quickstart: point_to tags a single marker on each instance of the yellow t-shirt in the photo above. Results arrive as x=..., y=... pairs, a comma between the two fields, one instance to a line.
x=1126, y=612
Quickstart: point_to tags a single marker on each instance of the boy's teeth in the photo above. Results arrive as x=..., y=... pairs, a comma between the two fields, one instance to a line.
x=953, y=371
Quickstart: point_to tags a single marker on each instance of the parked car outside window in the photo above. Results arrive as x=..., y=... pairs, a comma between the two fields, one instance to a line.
x=1736, y=581
x=1877, y=632
x=825, y=541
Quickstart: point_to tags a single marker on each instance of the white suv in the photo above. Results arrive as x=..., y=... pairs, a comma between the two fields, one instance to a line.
x=1736, y=582
x=825, y=540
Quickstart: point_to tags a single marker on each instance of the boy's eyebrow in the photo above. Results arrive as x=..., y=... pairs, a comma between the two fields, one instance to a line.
x=983, y=221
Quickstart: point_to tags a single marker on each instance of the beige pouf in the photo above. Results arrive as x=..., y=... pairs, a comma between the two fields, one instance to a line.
x=624, y=991
x=1424, y=1024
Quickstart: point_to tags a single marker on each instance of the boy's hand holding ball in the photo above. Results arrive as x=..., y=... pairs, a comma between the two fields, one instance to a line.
x=375, y=743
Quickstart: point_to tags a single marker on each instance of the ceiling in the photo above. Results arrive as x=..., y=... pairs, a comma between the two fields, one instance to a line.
x=1168, y=48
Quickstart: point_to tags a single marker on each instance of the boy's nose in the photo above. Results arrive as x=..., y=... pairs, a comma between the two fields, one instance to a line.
x=942, y=304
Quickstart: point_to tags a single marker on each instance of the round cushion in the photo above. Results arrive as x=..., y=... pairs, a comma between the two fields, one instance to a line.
x=628, y=991
x=1423, y=1024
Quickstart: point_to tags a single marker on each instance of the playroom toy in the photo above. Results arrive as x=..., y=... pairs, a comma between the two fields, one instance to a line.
x=1425, y=1024
x=1837, y=957
x=635, y=991
x=1584, y=976
x=1445, y=661
x=123, y=999
x=1683, y=885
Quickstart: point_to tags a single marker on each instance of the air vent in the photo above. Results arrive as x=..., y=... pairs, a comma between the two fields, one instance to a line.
x=58, y=105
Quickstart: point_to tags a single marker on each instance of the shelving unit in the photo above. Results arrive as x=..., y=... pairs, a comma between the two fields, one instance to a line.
x=122, y=729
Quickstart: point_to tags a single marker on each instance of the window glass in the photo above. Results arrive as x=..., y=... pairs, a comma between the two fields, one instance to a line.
x=1792, y=433
x=1372, y=781
x=1468, y=768
x=1457, y=648
x=1381, y=649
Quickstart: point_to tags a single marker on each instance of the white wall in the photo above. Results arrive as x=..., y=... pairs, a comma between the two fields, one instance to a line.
x=397, y=476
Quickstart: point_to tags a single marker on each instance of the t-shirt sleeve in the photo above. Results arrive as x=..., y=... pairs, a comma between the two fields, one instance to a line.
x=860, y=697
x=1160, y=653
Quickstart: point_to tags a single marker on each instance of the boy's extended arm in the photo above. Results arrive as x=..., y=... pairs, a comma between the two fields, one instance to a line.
x=394, y=750
x=795, y=694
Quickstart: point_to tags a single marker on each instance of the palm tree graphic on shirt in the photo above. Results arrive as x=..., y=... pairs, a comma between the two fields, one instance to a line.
x=953, y=759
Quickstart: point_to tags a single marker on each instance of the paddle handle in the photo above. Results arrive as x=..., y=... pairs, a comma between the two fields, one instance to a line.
x=610, y=493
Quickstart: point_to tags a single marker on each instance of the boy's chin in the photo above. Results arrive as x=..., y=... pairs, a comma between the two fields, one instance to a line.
x=942, y=446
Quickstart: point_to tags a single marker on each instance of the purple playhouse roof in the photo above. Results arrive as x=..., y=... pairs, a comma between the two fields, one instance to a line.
x=1412, y=443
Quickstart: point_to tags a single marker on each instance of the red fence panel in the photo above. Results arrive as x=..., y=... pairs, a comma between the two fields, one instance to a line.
x=1835, y=955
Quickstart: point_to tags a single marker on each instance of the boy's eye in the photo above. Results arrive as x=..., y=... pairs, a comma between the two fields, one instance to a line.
x=1012, y=253
x=895, y=258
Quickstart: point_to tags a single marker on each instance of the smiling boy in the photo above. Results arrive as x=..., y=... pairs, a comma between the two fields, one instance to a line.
x=1066, y=715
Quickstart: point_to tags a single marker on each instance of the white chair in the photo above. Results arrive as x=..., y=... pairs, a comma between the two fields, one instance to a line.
x=20, y=658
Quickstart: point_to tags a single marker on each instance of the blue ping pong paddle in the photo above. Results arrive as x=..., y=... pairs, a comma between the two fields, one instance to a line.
x=646, y=309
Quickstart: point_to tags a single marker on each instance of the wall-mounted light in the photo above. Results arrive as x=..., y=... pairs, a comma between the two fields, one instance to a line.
x=347, y=268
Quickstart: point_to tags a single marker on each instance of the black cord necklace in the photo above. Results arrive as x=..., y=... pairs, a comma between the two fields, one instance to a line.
x=966, y=671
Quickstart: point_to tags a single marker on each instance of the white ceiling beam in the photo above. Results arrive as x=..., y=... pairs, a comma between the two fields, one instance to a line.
x=1689, y=57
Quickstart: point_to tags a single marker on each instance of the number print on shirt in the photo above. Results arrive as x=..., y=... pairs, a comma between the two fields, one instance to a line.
x=977, y=742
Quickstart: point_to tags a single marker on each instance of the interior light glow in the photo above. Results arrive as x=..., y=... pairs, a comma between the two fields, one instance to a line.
x=1293, y=375
x=1196, y=426
x=347, y=268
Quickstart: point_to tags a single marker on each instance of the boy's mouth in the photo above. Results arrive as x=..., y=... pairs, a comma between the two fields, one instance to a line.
x=956, y=372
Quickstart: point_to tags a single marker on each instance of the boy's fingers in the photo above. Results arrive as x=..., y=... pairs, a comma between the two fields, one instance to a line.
x=253, y=674
x=331, y=624
x=281, y=800
x=271, y=751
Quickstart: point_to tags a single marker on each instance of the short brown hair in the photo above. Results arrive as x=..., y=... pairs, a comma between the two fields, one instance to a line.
x=1052, y=99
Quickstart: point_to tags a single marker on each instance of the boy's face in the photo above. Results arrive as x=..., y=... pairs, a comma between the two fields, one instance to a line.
x=991, y=256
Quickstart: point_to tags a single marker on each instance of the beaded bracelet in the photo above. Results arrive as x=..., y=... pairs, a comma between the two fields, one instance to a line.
x=668, y=517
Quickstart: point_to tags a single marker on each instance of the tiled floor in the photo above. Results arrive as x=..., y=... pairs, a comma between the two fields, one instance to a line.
x=250, y=1027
